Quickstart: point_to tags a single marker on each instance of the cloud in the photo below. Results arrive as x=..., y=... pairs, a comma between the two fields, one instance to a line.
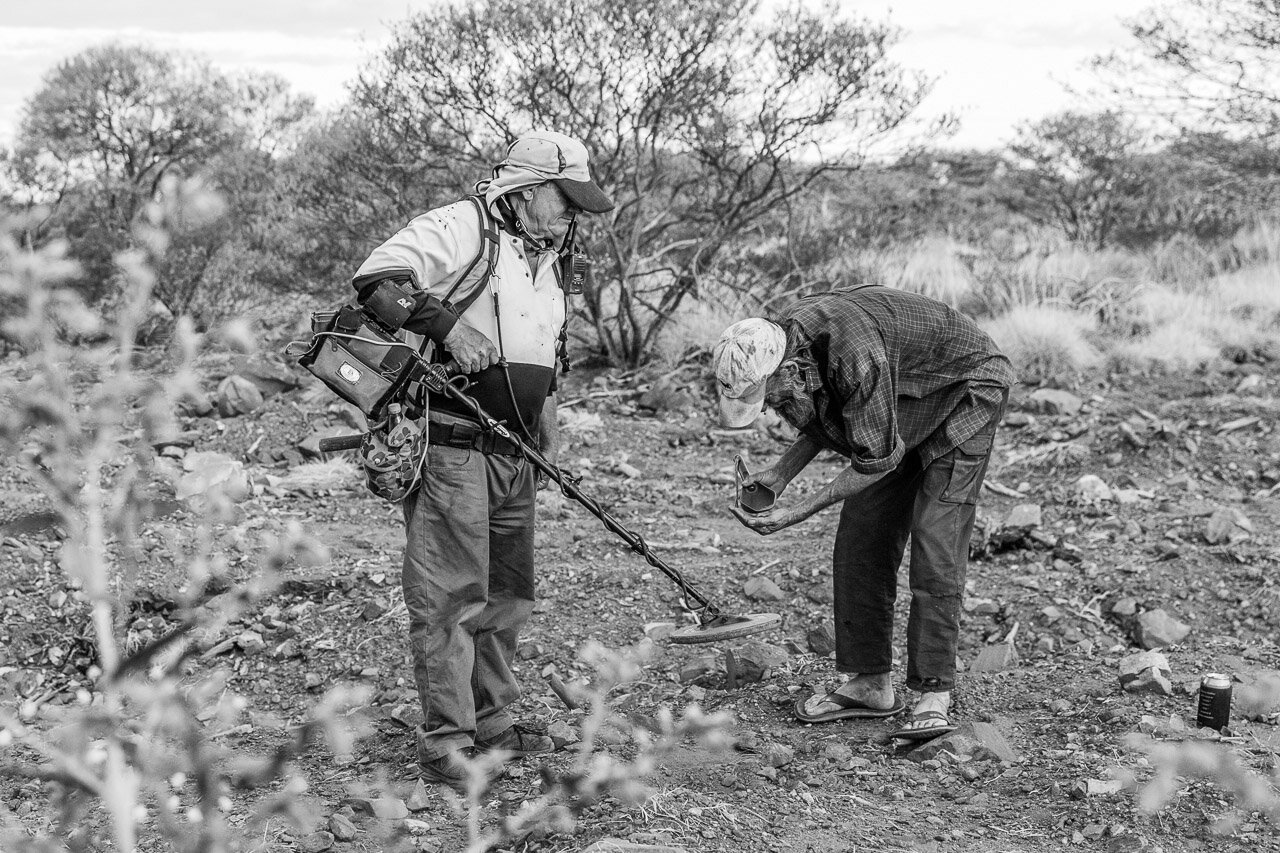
x=998, y=63
x=297, y=17
x=319, y=65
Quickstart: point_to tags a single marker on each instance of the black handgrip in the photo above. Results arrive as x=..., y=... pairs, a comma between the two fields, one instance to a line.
x=341, y=442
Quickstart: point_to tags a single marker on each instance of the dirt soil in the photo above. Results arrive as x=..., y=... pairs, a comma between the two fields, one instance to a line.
x=1073, y=585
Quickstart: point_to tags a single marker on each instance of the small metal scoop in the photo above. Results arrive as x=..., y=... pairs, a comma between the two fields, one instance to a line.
x=753, y=497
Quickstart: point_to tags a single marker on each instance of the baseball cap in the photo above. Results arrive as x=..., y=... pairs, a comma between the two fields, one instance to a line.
x=562, y=160
x=746, y=355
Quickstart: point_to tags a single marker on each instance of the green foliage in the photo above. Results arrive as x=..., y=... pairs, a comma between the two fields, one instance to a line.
x=594, y=774
x=111, y=127
x=130, y=765
x=1203, y=186
x=704, y=120
x=1076, y=171
x=350, y=184
x=1178, y=762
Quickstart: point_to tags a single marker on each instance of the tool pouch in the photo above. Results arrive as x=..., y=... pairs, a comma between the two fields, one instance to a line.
x=393, y=454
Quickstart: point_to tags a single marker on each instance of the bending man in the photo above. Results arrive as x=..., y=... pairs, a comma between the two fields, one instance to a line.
x=910, y=392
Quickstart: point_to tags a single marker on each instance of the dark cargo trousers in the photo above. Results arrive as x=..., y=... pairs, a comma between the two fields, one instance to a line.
x=468, y=586
x=936, y=507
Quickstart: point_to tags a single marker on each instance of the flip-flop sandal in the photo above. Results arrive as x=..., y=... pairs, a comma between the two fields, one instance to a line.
x=850, y=709
x=925, y=725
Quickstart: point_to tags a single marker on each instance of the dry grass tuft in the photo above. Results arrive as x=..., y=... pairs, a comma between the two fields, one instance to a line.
x=937, y=267
x=698, y=326
x=1177, y=346
x=1256, y=246
x=1044, y=341
x=339, y=473
x=1178, y=329
x=1252, y=293
x=1069, y=277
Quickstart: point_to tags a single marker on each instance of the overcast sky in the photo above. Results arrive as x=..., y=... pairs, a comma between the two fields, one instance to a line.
x=998, y=63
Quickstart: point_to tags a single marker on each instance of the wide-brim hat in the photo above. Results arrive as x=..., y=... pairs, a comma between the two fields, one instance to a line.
x=562, y=160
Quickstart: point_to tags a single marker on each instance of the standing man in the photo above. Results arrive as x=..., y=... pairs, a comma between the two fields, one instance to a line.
x=487, y=274
x=910, y=392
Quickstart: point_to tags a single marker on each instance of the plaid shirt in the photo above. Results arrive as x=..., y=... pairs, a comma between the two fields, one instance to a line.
x=896, y=372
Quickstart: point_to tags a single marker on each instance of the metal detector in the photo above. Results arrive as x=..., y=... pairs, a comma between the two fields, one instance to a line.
x=711, y=626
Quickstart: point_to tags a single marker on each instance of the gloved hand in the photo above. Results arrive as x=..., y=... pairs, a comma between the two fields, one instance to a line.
x=471, y=349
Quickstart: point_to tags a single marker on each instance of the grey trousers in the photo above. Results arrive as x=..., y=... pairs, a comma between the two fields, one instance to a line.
x=935, y=505
x=468, y=586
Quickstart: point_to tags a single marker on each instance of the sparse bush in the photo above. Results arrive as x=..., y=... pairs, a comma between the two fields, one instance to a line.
x=595, y=775
x=110, y=130
x=1176, y=763
x=1077, y=171
x=1188, y=329
x=1044, y=342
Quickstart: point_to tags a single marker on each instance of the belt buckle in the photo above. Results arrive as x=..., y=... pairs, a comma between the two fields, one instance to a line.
x=460, y=436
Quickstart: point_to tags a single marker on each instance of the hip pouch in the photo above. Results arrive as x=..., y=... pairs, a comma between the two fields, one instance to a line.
x=393, y=454
x=357, y=359
x=365, y=363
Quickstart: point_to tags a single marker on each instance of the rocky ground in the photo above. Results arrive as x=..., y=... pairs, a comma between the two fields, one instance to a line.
x=1137, y=515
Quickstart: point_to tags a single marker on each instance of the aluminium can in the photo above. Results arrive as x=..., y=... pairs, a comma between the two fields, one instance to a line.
x=1213, y=708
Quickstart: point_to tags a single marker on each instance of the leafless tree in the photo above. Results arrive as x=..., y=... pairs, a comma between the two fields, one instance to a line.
x=1210, y=64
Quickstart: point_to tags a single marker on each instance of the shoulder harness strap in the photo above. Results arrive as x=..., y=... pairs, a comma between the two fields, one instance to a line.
x=487, y=253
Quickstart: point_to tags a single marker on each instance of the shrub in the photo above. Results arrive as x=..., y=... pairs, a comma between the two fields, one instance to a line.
x=1178, y=329
x=1256, y=245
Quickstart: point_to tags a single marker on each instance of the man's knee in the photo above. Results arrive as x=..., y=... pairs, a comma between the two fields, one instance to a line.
x=435, y=598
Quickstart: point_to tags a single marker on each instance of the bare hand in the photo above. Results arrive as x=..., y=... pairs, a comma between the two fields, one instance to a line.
x=767, y=478
x=470, y=348
x=770, y=521
x=551, y=454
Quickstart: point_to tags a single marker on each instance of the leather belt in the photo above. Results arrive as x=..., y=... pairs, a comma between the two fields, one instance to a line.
x=472, y=437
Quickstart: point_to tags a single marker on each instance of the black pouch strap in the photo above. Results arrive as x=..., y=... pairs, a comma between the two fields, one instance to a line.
x=471, y=437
